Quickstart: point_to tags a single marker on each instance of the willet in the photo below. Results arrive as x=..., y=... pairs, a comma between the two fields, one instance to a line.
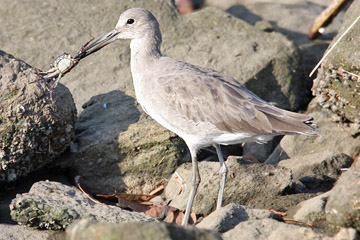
x=202, y=106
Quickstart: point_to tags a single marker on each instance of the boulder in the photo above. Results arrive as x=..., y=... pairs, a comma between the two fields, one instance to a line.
x=265, y=62
x=335, y=136
x=16, y=232
x=271, y=229
x=53, y=205
x=342, y=208
x=119, y=148
x=311, y=210
x=228, y=217
x=318, y=171
x=286, y=21
x=337, y=85
x=34, y=130
x=245, y=182
x=86, y=229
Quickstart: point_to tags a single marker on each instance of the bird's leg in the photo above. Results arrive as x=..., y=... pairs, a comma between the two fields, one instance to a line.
x=222, y=172
x=194, y=185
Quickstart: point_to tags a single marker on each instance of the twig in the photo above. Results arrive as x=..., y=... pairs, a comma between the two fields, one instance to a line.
x=332, y=47
x=88, y=196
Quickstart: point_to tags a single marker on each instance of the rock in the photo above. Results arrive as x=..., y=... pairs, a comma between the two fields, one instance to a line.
x=335, y=86
x=280, y=203
x=52, y=205
x=347, y=233
x=33, y=129
x=16, y=232
x=261, y=151
x=271, y=229
x=229, y=216
x=245, y=181
x=277, y=155
x=335, y=136
x=286, y=22
x=121, y=148
x=311, y=210
x=319, y=170
x=342, y=208
x=85, y=229
x=267, y=63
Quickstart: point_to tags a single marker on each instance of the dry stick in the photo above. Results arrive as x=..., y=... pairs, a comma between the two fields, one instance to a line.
x=87, y=195
x=332, y=47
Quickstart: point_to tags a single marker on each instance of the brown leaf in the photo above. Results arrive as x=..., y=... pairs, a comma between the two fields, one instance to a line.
x=283, y=214
x=134, y=206
x=140, y=198
x=177, y=217
x=111, y=197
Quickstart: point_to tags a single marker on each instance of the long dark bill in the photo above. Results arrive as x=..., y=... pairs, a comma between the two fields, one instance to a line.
x=98, y=44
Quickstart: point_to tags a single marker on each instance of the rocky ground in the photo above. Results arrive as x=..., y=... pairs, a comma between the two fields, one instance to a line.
x=115, y=147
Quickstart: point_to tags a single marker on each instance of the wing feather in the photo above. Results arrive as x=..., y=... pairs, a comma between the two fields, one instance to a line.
x=204, y=95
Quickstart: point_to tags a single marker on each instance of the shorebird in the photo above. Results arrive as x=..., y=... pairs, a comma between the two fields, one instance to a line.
x=202, y=106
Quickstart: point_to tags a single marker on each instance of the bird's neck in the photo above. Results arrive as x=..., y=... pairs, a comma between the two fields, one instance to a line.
x=144, y=52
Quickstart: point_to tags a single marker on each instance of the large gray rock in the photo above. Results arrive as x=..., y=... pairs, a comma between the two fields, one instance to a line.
x=343, y=206
x=286, y=21
x=33, y=129
x=52, y=205
x=229, y=216
x=335, y=87
x=335, y=136
x=269, y=57
x=311, y=210
x=271, y=229
x=245, y=181
x=17, y=232
x=120, y=148
x=319, y=170
x=85, y=229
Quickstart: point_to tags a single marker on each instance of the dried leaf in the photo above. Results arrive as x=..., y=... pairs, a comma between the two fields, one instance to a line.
x=283, y=214
x=134, y=197
x=110, y=197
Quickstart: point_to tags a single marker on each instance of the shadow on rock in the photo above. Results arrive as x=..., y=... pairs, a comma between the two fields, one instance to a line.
x=119, y=148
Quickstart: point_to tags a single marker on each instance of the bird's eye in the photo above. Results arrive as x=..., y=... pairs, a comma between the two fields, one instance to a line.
x=130, y=21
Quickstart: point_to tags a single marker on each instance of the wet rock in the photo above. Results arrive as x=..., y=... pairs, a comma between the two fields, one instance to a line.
x=335, y=136
x=33, y=129
x=318, y=171
x=271, y=229
x=267, y=63
x=337, y=85
x=229, y=216
x=343, y=206
x=245, y=181
x=85, y=229
x=311, y=210
x=16, y=232
x=52, y=205
x=120, y=148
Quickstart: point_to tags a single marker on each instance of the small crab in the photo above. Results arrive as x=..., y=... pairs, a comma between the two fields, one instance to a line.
x=65, y=62
x=61, y=65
